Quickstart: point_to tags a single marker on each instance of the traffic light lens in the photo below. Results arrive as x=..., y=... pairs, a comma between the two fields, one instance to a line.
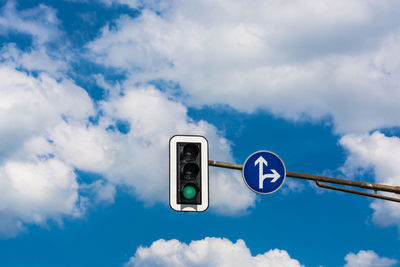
x=190, y=152
x=190, y=171
x=189, y=192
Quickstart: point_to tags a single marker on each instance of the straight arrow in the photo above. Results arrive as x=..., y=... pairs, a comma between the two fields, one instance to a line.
x=261, y=176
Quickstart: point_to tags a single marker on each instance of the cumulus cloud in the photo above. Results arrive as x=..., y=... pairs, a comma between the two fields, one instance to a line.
x=207, y=252
x=30, y=106
x=36, y=59
x=35, y=186
x=40, y=22
x=313, y=60
x=381, y=154
x=39, y=27
x=367, y=258
x=35, y=191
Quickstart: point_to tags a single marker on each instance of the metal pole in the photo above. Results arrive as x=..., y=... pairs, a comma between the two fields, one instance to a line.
x=225, y=165
x=319, y=178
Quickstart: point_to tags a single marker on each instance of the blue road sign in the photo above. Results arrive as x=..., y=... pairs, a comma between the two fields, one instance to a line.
x=264, y=172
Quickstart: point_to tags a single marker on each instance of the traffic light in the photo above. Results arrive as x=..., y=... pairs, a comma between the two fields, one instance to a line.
x=188, y=173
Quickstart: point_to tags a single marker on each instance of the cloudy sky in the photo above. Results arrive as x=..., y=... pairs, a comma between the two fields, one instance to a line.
x=92, y=90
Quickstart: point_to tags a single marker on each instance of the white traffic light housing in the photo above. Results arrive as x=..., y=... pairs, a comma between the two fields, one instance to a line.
x=188, y=173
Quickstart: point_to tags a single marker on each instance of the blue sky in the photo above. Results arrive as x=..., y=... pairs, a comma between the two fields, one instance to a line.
x=92, y=91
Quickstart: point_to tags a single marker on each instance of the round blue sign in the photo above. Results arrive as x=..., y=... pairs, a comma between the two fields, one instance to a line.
x=264, y=172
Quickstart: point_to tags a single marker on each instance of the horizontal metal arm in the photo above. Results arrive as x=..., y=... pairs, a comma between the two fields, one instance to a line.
x=375, y=195
x=225, y=165
x=318, y=179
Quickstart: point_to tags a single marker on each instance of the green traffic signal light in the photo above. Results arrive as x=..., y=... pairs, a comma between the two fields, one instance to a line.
x=189, y=191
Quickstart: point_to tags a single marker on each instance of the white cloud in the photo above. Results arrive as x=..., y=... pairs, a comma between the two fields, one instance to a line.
x=43, y=50
x=228, y=194
x=292, y=186
x=99, y=191
x=314, y=59
x=36, y=186
x=381, y=154
x=31, y=106
x=367, y=258
x=33, y=192
x=207, y=252
x=40, y=22
x=36, y=59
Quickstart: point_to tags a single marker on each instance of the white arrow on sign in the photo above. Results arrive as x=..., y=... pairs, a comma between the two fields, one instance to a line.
x=275, y=175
